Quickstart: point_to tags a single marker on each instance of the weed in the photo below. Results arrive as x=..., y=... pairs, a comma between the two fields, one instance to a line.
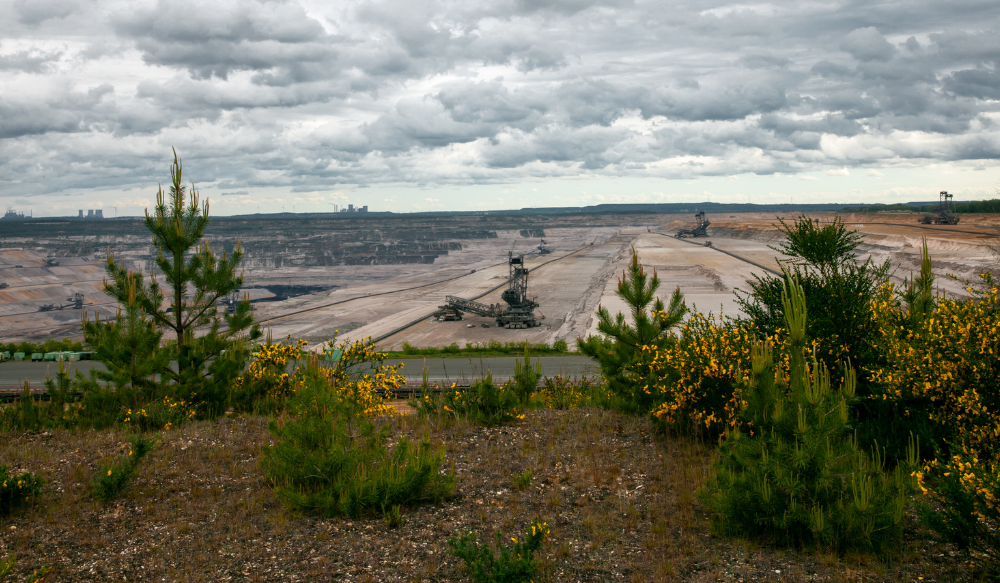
x=393, y=516
x=522, y=480
x=7, y=566
x=112, y=479
x=526, y=377
x=16, y=491
x=483, y=402
x=515, y=562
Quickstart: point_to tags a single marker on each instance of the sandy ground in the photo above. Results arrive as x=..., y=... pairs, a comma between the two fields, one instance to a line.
x=374, y=300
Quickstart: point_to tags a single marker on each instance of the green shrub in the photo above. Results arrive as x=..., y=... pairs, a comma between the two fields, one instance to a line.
x=29, y=413
x=560, y=346
x=113, y=478
x=526, y=377
x=523, y=480
x=8, y=565
x=515, y=562
x=393, y=516
x=561, y=392
x=483, y=403
x=797, y=476
x=328, y=460
x=16, y=491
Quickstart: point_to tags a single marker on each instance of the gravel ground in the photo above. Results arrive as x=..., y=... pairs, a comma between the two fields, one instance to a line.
x=621, y=501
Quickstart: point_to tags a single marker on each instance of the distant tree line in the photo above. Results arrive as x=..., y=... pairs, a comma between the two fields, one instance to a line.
x=971, y=207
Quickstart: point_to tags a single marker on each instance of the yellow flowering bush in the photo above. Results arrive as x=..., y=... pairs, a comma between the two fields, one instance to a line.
x=266, y=383
x=945, y=368
x=160, y=414
x=361, y=377
x=942, y=371
x=700, y=380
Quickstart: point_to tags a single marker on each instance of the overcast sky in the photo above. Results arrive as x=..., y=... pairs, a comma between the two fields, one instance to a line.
x=409, y=105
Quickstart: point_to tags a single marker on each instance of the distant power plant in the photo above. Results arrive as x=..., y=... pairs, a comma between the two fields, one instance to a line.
x=350, y=209
x=91, y=214
x=13, y=215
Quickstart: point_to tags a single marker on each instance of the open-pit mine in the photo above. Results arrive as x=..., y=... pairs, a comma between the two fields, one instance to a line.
x=389, y=276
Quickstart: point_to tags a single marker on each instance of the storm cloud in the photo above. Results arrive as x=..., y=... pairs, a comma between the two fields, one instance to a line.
x=307, y=95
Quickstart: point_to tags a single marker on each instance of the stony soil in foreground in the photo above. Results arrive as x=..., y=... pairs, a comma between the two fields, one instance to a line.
x=621, y=501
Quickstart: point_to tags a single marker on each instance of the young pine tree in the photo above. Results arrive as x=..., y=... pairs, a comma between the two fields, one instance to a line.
x=196, y=279
x=918, y=294
x=839, y=290
x=624, y=345
x=797, y=476
x=129, y=345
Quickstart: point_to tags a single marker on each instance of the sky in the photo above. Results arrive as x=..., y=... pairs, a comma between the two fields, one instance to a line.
x=414, y=105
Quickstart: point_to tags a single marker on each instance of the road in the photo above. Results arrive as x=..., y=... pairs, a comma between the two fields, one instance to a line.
x=465, y=370
x=441, y=370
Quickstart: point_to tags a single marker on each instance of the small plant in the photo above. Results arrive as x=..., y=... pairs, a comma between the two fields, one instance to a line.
x=393, y=516
x=8, y=565
x=515, y=562
x=526, y=377
x=484, y=403
x=165, y=413
x=112, y=479
x=522, y=480
x=16, y=491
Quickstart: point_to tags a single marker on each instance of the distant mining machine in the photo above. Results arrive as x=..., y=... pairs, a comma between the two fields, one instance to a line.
x=519, y=311
x=701, y=230
x=945, y=212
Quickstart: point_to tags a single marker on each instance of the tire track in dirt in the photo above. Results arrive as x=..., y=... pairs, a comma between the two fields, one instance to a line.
x=581, y=316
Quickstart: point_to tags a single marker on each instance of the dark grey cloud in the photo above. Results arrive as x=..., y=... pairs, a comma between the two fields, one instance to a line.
x=306, y=95
x=868, y=44
x=231, y=36
x=34, y=12
x=30, y=61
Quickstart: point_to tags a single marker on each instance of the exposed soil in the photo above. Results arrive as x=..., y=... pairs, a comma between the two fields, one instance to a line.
x=620, y=499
